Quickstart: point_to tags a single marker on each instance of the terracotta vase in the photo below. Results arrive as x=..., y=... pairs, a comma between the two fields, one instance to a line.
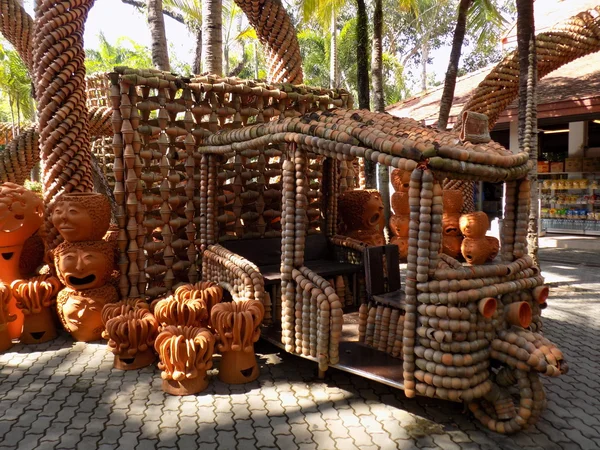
x=131, y=338
x=400, y=180
x=518, y=313
x=184, y=312
x=185, y=355
x=21, y=215
x=451, y=245
x=487, y=306
x=237, y=325
x=399, y=203
x=452, y=200
x=474, y=225
x=82, y=216
x=399, y=225
x=5, y=317
x=207, y=291
x=450, y=224
x=81, y=311
x=84, y=265
x=34, y=298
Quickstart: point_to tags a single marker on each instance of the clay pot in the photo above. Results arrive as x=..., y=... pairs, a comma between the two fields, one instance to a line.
x=540, y=294
x=487, y=306
x=400, y=180
x=82, y=216
x=21, y=215
x=450, y=224
x=131, y=338
x=84, y=265
x=402, y=243
x=32, y=256
x=38, y=328
x=451, y=245
x=81, y=311
x=185, y=355
x=452, y=200
x=399, y=203
x=5, y=317
x=207, y=291
x=238, y=327
x=474, y=225
x=399, y=225
x=518, y=313
x=476, y=251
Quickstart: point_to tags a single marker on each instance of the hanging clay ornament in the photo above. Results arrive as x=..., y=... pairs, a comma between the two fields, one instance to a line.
x=82, y=216
x=21, y=215
x=131, y=338
x=81, y=311
x=5, y=317
x=185, y=355
x=362, y=214
x=35, y=297
x=237, y=325
x=84, y=265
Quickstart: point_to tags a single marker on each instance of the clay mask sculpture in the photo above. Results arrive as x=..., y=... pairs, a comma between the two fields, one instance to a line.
x=185, y=355
x=131, y=339
x=81, y=311
x=21, y=214
x=81, y=216
x=238, y=327
x=84, y=265
x=362, y=214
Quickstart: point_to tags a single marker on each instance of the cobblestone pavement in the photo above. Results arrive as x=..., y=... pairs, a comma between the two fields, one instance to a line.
x=66, y=395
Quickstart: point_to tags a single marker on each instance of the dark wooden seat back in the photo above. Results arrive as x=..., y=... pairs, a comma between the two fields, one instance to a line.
x=381, y=265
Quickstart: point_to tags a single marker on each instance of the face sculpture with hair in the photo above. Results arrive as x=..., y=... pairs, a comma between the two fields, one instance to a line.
x=81, y=216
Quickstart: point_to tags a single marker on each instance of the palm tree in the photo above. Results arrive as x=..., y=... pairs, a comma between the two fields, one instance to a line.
x=125, y=52
x=482, y=14
x=362, y=55
x=212, y=30
x=15, y=84
x=156, y=23
x=191, y=12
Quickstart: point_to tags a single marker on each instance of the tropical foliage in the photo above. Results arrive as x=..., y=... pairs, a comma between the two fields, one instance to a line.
x=16, y=103
x=124, y=52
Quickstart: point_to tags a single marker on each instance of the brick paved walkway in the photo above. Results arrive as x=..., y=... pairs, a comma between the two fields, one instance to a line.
x=66, y=395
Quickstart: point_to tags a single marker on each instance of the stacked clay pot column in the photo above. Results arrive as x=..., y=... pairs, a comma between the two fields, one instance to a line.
x=60, y=90
x=21, y=214
x=238, y=327
x=84, y=263
x=400, y=219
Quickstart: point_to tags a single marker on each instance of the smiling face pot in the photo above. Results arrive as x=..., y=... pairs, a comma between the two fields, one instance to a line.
x=81, y=216
x=84, y=265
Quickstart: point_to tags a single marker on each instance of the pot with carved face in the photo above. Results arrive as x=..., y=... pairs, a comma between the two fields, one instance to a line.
x=84, y=265
x=474, y=225
x=21, y=215
x=237, y=325
x=131, y=338
x=81, y=311
x=83, y=216
x=362, y=214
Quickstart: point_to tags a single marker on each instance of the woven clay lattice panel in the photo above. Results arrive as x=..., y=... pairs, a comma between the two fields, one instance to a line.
x=174, y=200
x=97, y=90
x=102, y=149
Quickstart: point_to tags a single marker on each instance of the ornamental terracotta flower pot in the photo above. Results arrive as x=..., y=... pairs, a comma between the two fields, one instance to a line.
x=180, y=311
x=451, y=245
x=237, y=325
x=5, y=317
x=81, y=311
x=84, y=265
x=34, y=298
x=185, y=355
x=82, y=216
x=494, y=247
x=21, y=215
x=402, y=243
x=474, y=225
x=476, y=251
x=131, y=338
x=362, y=210
x=518, y=313
x=452, y=200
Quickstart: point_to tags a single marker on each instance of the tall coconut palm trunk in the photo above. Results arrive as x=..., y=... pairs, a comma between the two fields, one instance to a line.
x=156, y=23
x=212, y=29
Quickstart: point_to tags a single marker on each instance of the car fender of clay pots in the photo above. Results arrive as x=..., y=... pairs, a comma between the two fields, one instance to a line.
x=83, y=216
x=185, y=354
x=5, y=317
x=81, y=311
x=84, y=265
x=35, y=297
x=237, y=325
x=362, y=214
x=21, y=215
x=131, y=338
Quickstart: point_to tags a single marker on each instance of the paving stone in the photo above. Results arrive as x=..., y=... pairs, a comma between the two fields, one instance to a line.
x=264, y=438
x=244, y=429
x=246, y=444
x=30, y=441
x=345, y=444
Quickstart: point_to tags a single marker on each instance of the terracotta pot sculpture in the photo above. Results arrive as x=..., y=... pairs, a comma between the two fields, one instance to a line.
x=184, y=312
x=518, y=313
x=84, y=265
x=362, y=214
x=32, y=256
x=452, y=200
x=82, y=216
x=21, y=215
x=81, y=311
x=399, y=203
x=238, y=327
x=476, y=247
x=540, y=294
x=207, y=291
x=450, y=224
x=400, y=180
x=451, y=245
x=111, y=310
x=402, y=243
x=34, y=297
x=131, y=338
x=474, y=225
x=487, y=307
x=5, y=317
x=185, y=355
x=399, y=225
